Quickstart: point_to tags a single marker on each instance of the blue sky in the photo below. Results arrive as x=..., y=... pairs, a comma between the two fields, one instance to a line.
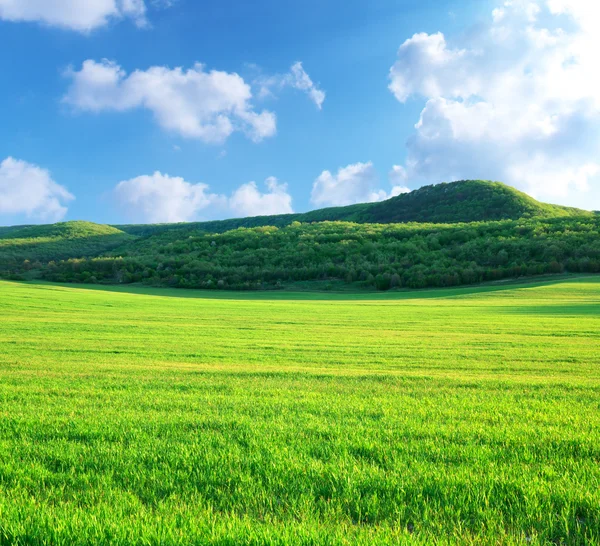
x=126, y=137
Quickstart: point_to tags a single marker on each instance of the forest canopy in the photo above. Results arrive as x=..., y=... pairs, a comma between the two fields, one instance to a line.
x=541, y=239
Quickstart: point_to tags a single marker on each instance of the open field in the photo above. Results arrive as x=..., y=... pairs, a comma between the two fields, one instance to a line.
x=466, y=416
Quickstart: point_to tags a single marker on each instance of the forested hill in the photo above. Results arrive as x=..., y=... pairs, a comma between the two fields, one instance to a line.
x=455, y=202
x=322, y=254
x=512, y=236
x=57, y=242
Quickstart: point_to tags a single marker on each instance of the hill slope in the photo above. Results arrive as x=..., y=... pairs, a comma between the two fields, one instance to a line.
x=57, y=242
x=383, y=256
x=467, y=201
x=455, y=202
x=515, y=236
x=63, y=230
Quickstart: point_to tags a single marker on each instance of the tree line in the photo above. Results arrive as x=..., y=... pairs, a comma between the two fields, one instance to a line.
x=381, y=256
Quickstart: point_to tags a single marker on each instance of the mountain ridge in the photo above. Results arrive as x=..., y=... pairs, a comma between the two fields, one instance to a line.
x=480, y=200
x=445, y=203
x=446, y=235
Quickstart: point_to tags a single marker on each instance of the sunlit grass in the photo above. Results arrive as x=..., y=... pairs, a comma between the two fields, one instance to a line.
x=447, y=417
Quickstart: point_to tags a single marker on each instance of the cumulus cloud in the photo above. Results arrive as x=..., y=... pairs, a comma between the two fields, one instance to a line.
x=26, y=189
x=398, y=178
x=352, y=184
x=296, y=78
x=193, y=103
x=247, y=200
x=162, y=198
x=518, y=102
x=78, y=15
x=356, y=183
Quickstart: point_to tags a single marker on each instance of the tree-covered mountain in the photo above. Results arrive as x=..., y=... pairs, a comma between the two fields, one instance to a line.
x=445, y=235
x=384, y=256
x=448, y=203
x=57, y=242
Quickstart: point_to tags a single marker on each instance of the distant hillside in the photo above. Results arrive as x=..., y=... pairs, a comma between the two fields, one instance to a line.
x=449, y=203
x=444, y=235
x=63, y=230
x=6, y=230
x=382, y=256
x=57, y=242
x=466, y=201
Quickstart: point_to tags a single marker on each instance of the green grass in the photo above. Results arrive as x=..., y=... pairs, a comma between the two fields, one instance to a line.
x=440, y=417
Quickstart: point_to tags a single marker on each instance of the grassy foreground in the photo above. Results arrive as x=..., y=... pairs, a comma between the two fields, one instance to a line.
x=456, y=417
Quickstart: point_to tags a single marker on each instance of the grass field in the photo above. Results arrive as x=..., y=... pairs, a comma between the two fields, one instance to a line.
x=443, y=417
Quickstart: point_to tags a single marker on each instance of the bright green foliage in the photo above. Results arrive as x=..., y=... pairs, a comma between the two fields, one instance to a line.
x=381, y=256
x=534, y=239
x=444, y=417
x=456, y=202
x=63, y=230
x=467, y=201
x=24, y=248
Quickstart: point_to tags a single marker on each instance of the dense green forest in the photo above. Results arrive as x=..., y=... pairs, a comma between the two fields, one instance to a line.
x=57, y=242
x=512, y=236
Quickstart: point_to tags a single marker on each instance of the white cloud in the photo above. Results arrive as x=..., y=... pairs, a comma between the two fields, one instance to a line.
x=78, y=15
x=518, y=102
x=299, y=79
x=162, y=198
x=425, y=66
x=352, y=184
x=356, y=183
x=398, y=178
x=296, y=78
x=26, y=189
x=193, y=103
x=247, y=200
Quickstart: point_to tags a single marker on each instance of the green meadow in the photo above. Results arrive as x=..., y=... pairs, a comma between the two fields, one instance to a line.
x=157, y=417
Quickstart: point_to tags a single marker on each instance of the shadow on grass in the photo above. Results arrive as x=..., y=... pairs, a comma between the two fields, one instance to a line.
x=292, y=294
x=574, y=310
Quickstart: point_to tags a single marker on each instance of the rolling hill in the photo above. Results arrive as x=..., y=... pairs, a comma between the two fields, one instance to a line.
x=445, y=235
x=448, y=203
x=57, y=242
